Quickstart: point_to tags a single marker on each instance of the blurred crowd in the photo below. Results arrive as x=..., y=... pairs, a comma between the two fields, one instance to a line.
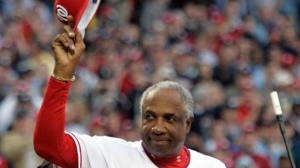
x=229, y=53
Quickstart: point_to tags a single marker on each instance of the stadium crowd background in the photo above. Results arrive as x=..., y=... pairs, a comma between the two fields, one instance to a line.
x=229, y=53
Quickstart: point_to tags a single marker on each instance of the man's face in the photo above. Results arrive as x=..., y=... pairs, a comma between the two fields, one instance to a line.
x=165, y=123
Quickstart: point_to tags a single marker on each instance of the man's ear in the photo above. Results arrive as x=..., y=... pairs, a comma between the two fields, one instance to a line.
x=189, y=124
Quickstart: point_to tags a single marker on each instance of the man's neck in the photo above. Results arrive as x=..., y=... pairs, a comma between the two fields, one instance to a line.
x=181, y=160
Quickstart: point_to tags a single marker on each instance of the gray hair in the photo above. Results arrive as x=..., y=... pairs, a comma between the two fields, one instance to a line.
x=185, y=94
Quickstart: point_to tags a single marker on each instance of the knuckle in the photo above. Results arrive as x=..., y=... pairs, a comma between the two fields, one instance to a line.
x=65, y=27
x=83, y=46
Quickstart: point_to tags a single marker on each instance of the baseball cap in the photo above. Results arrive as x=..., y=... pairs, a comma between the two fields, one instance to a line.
x=83, y=12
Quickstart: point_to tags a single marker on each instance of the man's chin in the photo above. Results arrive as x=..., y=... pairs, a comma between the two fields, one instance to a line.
x=160, y=150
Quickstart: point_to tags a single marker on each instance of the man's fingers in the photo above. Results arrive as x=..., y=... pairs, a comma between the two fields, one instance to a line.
x=69, y=31
x=61, y=40
x=71, y=21
x=69, y=42
x=64, y=40
x=79, y=41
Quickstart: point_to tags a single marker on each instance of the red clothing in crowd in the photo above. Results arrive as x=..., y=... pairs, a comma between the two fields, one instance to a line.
x=259, y=161
x=3, y=163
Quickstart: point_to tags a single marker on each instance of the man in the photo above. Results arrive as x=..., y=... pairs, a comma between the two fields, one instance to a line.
x=167, y=114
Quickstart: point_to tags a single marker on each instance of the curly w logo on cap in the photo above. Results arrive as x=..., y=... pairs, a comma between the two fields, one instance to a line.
x=83, y=12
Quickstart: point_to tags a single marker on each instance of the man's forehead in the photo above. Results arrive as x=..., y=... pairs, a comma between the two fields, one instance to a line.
x=163, y=97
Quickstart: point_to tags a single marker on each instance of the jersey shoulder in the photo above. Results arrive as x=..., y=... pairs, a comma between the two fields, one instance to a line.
x=205, y=161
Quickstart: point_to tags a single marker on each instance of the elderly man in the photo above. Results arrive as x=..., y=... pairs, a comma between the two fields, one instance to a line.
x=167, y=114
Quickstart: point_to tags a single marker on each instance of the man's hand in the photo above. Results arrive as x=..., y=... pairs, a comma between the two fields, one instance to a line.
x=68, y=48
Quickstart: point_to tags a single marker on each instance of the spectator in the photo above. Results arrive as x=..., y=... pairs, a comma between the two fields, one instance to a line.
x=246, y=155
x=17, y=143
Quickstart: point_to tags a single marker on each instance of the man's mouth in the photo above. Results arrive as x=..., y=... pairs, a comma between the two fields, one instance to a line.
x=159, y=142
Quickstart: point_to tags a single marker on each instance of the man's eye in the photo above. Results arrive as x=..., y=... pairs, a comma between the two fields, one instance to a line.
x=170, y=118
x=148, y=116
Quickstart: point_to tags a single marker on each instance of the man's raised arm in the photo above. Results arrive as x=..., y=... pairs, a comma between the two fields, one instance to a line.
x=50, y=140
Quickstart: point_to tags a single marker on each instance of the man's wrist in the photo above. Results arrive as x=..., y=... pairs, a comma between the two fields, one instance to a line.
x=63, y=79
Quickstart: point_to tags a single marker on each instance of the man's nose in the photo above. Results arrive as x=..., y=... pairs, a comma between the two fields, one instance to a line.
x=159, y=128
